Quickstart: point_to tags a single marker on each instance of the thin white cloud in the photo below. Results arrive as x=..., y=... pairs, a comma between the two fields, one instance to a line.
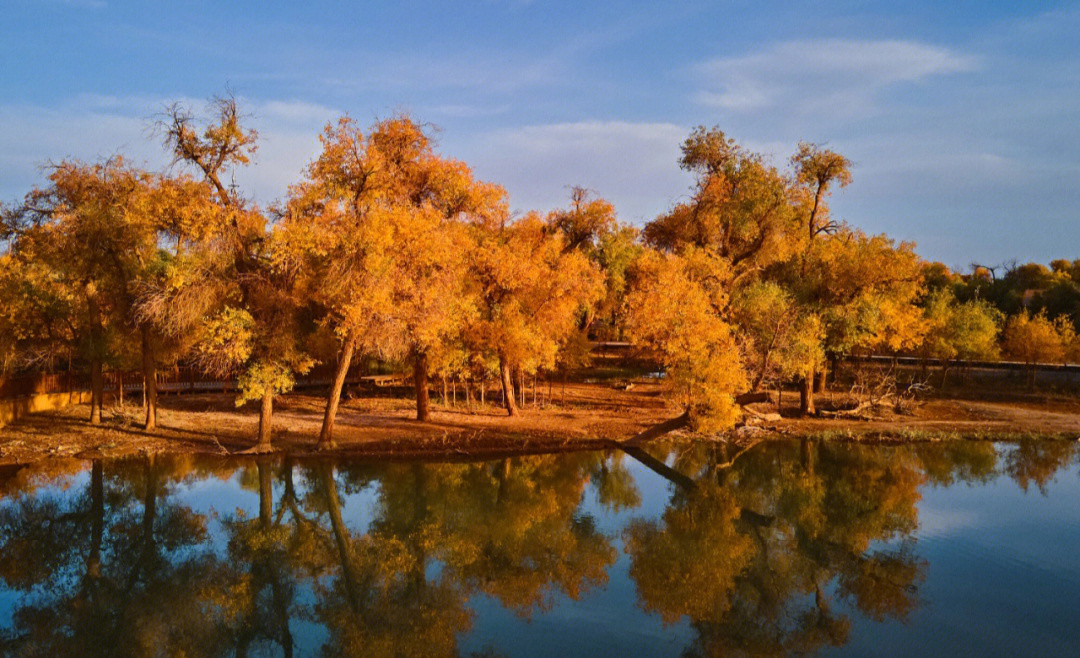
x=834, y=75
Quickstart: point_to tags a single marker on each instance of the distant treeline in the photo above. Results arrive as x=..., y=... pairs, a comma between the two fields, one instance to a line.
x=384, y=248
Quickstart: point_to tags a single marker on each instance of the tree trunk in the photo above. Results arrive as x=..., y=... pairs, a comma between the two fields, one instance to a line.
x=97, y=391
x=149, y=373
x=507, y=388
x=266, y=419
x=326, y=434
x=820, y=380
x=521, y=386
x=423, y=404
x=806, y=395
x=97, y=385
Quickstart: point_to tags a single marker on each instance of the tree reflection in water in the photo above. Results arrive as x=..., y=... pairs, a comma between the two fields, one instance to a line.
x=768, y=551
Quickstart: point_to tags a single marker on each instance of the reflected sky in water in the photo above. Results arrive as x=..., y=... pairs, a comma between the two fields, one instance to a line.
x=954, y=548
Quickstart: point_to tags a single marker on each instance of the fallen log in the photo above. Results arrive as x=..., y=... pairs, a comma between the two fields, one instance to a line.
x=770, y=417
x=659, y=429
x=744, y=399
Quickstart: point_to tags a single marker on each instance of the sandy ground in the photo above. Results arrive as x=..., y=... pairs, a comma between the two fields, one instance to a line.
x=590, y=416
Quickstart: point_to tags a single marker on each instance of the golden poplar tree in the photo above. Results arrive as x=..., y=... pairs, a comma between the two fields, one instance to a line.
x=532, y=286
x=379, y=225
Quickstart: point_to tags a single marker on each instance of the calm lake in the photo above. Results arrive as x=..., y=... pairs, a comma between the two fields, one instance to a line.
x=954, y=548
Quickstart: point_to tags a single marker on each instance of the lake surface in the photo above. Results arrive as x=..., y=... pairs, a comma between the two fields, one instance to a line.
x=955, y=548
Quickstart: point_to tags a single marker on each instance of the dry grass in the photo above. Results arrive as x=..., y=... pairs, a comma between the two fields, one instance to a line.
x=591, y=416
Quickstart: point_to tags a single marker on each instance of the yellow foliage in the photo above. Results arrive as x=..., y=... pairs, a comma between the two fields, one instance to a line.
x=1037, y=339
x=531, y=290
x=673, y=312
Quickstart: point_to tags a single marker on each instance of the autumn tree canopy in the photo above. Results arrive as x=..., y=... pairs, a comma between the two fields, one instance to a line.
x=389, y=250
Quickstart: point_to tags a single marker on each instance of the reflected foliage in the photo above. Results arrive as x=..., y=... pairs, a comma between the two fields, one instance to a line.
x=769, y=550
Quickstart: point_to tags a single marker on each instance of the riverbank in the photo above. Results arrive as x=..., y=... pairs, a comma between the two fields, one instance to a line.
x=586, y=416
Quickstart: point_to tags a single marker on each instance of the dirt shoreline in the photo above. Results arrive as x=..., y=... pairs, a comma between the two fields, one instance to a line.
x=587, y=416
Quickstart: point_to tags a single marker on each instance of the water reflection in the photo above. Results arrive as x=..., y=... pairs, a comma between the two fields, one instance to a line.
x=772, y=550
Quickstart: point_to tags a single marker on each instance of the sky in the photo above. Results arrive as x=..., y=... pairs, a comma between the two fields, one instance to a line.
x=962, y=119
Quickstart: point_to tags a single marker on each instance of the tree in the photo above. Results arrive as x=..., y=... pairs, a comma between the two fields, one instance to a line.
x=36, y=313
x=741, y=207
x=235, y=288
x=181, y=212
x=591, y=227
x=864, y=289
x=531, y=289
x=379, y=226
x=672, y=309
x=1034, y=339
x=83, y=244
x=817, y=169
x=954, y=330
x=783, y=338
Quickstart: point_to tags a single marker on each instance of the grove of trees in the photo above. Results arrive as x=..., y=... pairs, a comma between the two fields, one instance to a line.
x=387, y=249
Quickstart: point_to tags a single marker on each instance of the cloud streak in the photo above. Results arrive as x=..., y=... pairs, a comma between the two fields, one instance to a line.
x=835, y=75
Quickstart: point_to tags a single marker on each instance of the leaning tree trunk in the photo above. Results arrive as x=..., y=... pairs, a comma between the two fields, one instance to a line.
x=508, y=388
x=266, y=419
x=423, y=402
x=149, y=372
x=659, y=429
x=326, y=434
x=806, y=395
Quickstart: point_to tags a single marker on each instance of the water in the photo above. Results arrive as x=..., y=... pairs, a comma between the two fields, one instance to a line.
x=961, y=548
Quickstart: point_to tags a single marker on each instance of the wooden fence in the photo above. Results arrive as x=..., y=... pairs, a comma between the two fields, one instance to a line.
x=189, y=380
x=173, y=381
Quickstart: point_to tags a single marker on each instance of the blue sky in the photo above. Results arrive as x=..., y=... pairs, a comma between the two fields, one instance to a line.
x=962, y=118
